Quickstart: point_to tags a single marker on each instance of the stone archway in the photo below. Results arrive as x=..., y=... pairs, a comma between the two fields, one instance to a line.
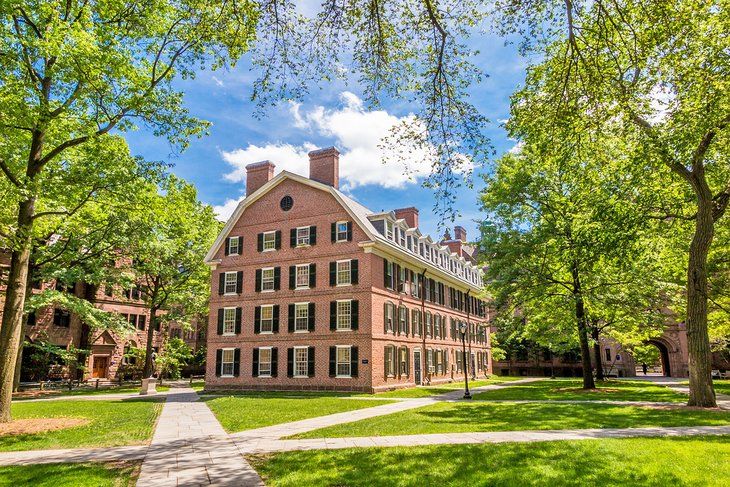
x=673, y=351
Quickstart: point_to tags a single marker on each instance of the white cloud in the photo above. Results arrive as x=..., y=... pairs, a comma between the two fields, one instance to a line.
x=357, y=133
x=217, y=81
x=224, y=211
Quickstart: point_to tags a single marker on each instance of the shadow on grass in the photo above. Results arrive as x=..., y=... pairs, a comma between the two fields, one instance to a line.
x=77, y=475
x=653, y=461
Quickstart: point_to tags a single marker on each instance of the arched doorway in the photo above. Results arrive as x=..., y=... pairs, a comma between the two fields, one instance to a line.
x=663, y=356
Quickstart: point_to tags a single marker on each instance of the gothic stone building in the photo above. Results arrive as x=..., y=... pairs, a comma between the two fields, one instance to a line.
x=311, y=290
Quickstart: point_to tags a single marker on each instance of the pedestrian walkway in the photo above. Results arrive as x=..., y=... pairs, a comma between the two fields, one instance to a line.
x=191, y=448
x=74, y=455
x=473, y=438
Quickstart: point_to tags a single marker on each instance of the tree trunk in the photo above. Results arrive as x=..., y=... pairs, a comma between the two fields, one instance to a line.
x=597, y=354
x=149, y=366
x=701, y=390
x=12, y=322
x=580, y=316
x=18, y=365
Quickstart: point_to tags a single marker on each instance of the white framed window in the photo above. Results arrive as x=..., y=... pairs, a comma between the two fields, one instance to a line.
x=389, y=230
x=403, y=361
x=267, y=279
x=269, y=241
x=265, y=362
x=231, y=283
x=233, y=246
x=344, y=361
x=402, y=238
x=402, y=320
x=302, y=236
x=267, y=319
x=389, y=360
x=344, y=272
x=302, y=276
x=229, y=321
x=301, y=317
x=227, y=358
x=341, y=235
x=389, y=318
x=344, y=315
x=301, y=361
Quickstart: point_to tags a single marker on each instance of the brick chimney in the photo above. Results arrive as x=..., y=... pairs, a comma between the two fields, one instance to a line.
x=460, y=233
x=410, y=215
x=324, y=166
x=258, y=174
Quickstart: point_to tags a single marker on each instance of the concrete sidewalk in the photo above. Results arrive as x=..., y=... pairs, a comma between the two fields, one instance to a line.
x=191, y=448
x=74, y=455
x=271, y=446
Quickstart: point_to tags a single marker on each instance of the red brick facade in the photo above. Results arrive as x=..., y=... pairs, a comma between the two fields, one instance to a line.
x=270, y=217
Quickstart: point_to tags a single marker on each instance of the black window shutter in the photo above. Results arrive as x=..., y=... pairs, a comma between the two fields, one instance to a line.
x=334, y=232
x=291, y=318
x=353, y=361
x=228, y=239
x=349, y=231
x=312, y=275
x=255, y=368
x=313, y=235
x=290, y=362
x=407, y=321
x=293, y=237
x=386, y=277
x=274, y=362
x=220, y=321
x=310, y=326
x=310, y=362
x=260, y=242
x=258, y=280
x=354, y=272
x=275, y=319
x=238, y=320
x=240, y=245
x=333, y=273
x=236, y=362
x=257, y=319
x=333, y=361
x=222, y=283
x=277, y=278
x=277, y=239
x=333, y=315
x=355, y=310
x=239, y=282
x=292, y=276
x=218, y=362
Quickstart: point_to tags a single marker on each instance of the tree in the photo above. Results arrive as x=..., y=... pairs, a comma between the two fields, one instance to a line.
x=565, y=249
x=175, y=355
x=73, y=72
x=654, y=73
x=168, y=257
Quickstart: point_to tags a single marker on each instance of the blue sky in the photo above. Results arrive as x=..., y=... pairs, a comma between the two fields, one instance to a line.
x=333, y=115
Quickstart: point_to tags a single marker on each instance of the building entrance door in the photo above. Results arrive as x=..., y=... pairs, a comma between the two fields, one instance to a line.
x=100, y=366
x=417, y=366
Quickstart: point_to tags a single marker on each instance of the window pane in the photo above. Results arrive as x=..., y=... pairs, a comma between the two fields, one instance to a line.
x=267, y=279
x=265, y=361
x=344, y=315
x=302, y=276
x=300, y=362
x=229, y=320
x=269, y=240
x=301, y=317
x=230, y=282
x=267, y=318
x=343, y=272
x=227, y=363
x=303, y=236
x=341, y=231
x=343, y=361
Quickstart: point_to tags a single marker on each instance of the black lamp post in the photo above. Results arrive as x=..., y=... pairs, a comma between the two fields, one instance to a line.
x=462, y=329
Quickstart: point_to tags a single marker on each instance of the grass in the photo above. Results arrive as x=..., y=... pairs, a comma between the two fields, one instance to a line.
x=550, y=389
x=92, y=392
x=112, y=423
x=634, y=461
x=471, y=417
x=242, y=412
x=484, y=382
x=412, y=393
x=120, y=474
x=721, y=386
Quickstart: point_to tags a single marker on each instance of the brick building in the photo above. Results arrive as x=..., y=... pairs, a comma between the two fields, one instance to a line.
x=311, y=290
x=63, y=328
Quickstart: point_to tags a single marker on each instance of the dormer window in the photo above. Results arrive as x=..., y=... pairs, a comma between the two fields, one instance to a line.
x=402, y=238
x=389, y=230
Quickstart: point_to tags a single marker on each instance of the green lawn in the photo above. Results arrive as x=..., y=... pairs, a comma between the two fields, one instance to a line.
x=414, y=392
x=242, y=412
x=484, y=382
x=553, y=389
x=634, y=461
x=469, y=417
x=722, y=387
x=112, y=423
x=71, y=475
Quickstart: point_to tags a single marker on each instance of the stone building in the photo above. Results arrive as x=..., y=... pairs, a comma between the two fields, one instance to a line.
x=311, y=290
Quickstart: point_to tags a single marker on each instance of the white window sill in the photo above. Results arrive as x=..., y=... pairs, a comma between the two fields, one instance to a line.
x=261, y=376
x=226, y=376
x=343, y=377
x=266, y=333
x=302, y=288
x=233, y=255
x=341, y=241
x=267, y=290
x=344, y=284
x=299, y=246
x=269, y=250
x=230, y=294
x=301, y=377
x=229, y=334
x=301, y=331
x=344, y=329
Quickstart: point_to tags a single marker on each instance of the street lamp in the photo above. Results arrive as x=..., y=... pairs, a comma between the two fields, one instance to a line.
x=462, y=329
